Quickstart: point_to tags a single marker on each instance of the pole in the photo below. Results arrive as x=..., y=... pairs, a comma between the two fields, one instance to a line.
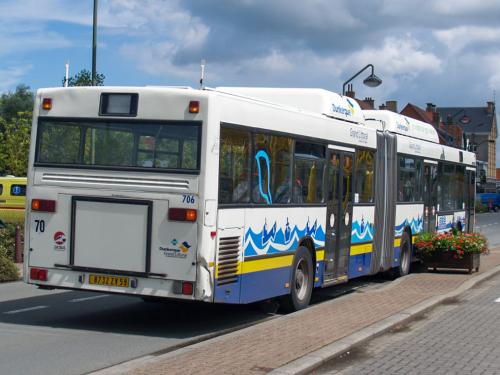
x=94, y=43
x=66, y=80
x=354, y=76
x=18, y=245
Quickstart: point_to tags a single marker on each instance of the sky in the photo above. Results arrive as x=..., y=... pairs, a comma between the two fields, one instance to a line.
x=442, y=51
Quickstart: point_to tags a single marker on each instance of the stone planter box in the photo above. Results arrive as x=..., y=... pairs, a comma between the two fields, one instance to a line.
x=469, y=261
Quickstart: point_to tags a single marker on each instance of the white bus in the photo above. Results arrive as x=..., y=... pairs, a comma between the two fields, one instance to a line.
x=230, y=195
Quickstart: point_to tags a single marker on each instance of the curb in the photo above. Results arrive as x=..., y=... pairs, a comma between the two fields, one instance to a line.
x=312, y=361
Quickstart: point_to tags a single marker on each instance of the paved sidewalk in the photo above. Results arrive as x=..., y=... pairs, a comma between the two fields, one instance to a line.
x=270, y=345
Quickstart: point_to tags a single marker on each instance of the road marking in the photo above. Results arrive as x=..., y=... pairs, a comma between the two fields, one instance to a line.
x=497, y=300
x=88, y=298
x=26, y=309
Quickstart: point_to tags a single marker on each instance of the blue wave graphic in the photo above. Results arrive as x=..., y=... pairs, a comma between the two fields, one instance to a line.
x=416, y=226
x=361, y=232
x=283, y=240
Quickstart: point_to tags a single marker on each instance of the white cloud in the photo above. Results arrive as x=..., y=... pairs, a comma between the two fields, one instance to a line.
x=402, y=57
x=456, y=39
x=465, y=7
x=12, y=76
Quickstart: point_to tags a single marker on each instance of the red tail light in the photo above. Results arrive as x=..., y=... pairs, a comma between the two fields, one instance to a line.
x=38, y=274
x=43, y=205
x=187, y=288
x=182, y=214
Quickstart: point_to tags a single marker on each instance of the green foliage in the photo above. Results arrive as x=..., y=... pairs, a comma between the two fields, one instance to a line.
x=14, y=144
x=84, y=78
x=8, y=240
x=8, y=270
x=13, y=104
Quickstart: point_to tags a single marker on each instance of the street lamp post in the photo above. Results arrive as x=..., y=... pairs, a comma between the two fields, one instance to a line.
x=94, y=43
x=371, y=81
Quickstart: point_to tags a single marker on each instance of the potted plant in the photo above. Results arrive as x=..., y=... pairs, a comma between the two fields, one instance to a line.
x=452, y=249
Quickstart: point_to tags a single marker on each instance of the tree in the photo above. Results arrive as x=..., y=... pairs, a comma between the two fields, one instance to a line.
x=14, y=103
x=15, y=144
x=84, y=78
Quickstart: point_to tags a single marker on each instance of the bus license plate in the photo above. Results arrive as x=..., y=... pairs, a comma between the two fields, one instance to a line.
x=109, y=280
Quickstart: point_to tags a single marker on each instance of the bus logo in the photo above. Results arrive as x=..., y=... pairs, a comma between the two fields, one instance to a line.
x=60, y=241
x=59, y=238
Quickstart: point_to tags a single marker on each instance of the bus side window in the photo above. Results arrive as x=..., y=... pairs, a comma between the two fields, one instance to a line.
x=234, y=166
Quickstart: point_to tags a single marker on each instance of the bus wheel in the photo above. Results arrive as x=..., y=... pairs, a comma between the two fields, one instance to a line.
x=301, y=283
x=405, y=256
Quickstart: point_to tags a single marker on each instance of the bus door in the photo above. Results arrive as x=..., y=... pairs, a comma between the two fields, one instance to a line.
x=430, y=197
x=339, y=214
x=470, y=180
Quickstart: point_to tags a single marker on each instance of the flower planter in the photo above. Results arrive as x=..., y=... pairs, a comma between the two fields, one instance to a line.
x=444, y=259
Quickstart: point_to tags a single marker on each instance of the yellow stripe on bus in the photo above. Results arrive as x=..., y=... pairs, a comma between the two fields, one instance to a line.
x=361, y=249
x=270, y=263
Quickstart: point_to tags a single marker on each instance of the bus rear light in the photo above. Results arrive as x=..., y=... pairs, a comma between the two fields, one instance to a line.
x=47, y=104
x=182, y=214
x=43, y=205
x=194, y=106
x=187, y=288
x=38, y=274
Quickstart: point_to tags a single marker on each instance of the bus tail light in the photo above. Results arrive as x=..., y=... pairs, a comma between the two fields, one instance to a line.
x=47, y=104
x=38, y=274
x=43, y=205
x=182, y=214
x=183, y=287
x=187, y=288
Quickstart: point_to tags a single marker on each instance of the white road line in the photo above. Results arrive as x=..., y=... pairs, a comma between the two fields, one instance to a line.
x=497, y=300
x=88, y=298
x=26, y=309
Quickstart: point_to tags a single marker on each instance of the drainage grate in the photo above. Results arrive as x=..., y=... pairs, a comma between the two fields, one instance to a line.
x=227, y=260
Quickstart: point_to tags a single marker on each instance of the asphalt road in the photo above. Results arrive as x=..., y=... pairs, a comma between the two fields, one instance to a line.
x=489, y=225
x=66, y=332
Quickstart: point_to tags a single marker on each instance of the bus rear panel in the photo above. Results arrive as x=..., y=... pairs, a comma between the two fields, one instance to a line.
x=114, y=192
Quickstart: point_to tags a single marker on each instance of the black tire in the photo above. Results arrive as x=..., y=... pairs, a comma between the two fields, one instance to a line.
x=404, y=256
x=301, y=282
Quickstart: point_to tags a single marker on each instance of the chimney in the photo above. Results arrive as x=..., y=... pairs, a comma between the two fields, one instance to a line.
x=382, y=107
x=350, y=91
x=430, y=108
x=491, y=107
x=392, y=105
x=370, y=102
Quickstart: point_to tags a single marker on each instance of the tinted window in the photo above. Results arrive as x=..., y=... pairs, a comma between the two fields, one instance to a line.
x=410, y=179
x=17, y=190
x=234, y=166
x=364, y=176
x=271, y=181
x=309, y=165
x=171, y=146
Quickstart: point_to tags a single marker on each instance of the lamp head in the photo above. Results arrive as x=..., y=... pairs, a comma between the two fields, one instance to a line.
x=372, y=81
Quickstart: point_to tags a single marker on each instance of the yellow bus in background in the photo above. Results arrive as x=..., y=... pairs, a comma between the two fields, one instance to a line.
x=12, y=199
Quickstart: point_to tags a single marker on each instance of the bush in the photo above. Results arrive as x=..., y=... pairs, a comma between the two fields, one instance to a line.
x=8, y=270
x=8, y=241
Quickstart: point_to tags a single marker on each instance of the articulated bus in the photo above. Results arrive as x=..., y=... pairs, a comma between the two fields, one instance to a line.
x=230, y=195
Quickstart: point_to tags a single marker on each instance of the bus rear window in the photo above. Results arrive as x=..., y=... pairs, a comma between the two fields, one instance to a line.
x=172, y=146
